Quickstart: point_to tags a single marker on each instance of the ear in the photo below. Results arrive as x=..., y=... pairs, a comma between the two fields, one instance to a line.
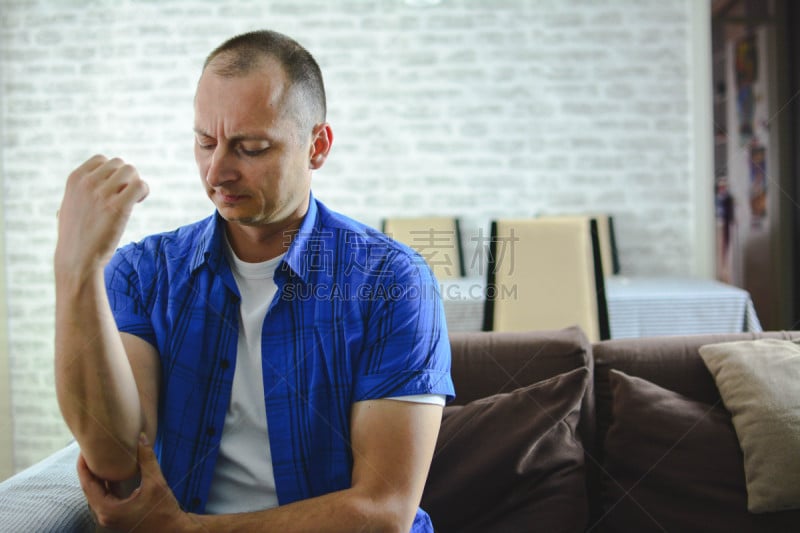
x=321, y=142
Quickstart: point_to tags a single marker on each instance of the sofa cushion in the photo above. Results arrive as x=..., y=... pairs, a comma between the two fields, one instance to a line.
x=674, y=464
x=512, y=461
x=46, y=496
x=759, y=382
x=490, y=362
x=670, y=362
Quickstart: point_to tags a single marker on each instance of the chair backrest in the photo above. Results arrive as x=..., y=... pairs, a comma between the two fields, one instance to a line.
x=546, y=273
x=437, y=239
x=608, y=243
x=607, y=239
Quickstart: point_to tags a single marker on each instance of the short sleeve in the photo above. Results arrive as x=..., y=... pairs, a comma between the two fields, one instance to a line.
x=407, y=351
x=125, y=297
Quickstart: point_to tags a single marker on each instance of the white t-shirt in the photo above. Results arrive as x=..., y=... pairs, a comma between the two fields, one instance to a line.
x=243, y=477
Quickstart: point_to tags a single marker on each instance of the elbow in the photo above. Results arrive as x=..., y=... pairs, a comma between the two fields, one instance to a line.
x=109, y=452
x=396, y=527
x=387, y=524
x=391, y=514
x=109, y=459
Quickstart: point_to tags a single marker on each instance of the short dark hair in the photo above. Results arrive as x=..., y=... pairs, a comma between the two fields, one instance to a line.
x=249, y=49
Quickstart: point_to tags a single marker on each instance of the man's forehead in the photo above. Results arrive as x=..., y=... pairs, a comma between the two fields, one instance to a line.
x=238, y=63
x=269, y=78
x=268, y=83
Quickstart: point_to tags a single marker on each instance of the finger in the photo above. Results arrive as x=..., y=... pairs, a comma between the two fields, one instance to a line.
x=148, y=462
x=145, y=193
x=117, y=179
x=106, y=170
x=136, y=191
x=93, y=487
x=87, y=167
x=86, y=478
x=91, y=173
x=125, y=186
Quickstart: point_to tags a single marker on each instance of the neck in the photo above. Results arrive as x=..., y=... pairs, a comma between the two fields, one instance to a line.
x=255, y=244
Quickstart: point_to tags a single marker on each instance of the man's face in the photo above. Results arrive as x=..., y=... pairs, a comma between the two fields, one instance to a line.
x=253, y=158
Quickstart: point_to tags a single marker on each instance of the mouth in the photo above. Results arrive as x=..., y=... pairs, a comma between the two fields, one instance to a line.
x=230, y=198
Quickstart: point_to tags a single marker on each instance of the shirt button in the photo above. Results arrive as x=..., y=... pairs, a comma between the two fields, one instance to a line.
x=195, y=503
x=210, y=431
x=224, y=364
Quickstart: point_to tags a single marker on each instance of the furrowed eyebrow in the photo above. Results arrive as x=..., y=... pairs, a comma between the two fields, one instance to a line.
x=234, y=138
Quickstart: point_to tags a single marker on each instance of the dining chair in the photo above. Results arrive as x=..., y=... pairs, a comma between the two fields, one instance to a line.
x=546, y=273
x=608, y=243
x=606, y=237
x=436, y=239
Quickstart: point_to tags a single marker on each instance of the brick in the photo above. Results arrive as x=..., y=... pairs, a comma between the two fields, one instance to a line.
x=484, y=109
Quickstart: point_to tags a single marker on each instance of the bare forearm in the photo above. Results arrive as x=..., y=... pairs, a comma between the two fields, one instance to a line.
x=337, y=512
x=392, y=443
x=95, y=384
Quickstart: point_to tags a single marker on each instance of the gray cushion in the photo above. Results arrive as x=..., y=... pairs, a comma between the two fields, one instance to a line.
x=46, y=497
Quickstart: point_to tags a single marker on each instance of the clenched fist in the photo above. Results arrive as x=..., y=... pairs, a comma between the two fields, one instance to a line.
x=98, y=200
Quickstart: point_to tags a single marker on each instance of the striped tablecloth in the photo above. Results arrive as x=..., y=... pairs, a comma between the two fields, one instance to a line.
x=645, y=307
x=637, y=306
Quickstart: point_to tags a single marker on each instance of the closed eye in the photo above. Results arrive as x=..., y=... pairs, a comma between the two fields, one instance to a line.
x=253, y=153
x=252, y=147
x=204, y=144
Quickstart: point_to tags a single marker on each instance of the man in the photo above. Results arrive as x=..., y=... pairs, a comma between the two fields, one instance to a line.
x=288, y=364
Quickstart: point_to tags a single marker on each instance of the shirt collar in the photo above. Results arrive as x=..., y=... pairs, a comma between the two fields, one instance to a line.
x=210, y=248
x=296, y=256
x=210, y=244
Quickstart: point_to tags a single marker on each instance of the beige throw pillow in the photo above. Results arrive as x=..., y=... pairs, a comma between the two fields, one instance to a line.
x=759, y=382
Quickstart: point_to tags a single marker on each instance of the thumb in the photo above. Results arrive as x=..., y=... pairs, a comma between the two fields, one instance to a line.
x=146, y=456
x=145, y=192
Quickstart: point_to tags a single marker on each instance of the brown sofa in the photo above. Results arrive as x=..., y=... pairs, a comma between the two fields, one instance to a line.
x=542, y=437
x=548, y=453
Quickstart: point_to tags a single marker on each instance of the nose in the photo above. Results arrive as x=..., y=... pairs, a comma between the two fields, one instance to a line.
x=221, y=167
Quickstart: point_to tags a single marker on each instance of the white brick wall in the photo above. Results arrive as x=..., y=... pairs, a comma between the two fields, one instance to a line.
x=478, y=109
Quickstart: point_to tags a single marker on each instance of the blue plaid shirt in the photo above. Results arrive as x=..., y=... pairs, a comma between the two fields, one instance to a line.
x=357, y=316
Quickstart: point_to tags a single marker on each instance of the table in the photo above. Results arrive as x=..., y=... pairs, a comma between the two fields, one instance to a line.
x=637, y=306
